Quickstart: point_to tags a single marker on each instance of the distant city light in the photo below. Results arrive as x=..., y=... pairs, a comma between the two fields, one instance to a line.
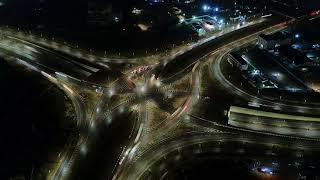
x=266, y=170
x=277, y=75
x=216, y=9
x=293, y=89
x=208, y=26
x=206, y=7
x=143, y=27
x=296, y=46
x=297, y=36
x=316, y=46
x=136, y=11
x=255, y=72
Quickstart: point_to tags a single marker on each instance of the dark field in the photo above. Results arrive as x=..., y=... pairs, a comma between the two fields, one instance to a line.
x=35, y=125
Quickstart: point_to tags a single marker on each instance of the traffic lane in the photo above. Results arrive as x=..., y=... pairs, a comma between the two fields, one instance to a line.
x=184, y=60
x=107, y=138
x=188, y=101
x=130, y=151
x=193, y=97
x=50, y=59
x=160, y=151
x=95, y=69
x=181, y=72
x=182, y=159
x=268, y=135
x=64, y=48
x=168, y=123
x=285, y=127
x=278, y=106
x=104, y=146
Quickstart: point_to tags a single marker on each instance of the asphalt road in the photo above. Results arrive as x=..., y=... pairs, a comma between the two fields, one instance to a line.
x=253, y=98
x=269, y=145
x=113, y=141
x=172, y=70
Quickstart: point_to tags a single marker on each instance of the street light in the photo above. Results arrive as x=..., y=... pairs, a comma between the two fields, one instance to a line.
x=158, y=83
x=83, y=149
x=121, y=109
x=142, y=89
x=109, y=119
x=110, y=92
x=93, y=126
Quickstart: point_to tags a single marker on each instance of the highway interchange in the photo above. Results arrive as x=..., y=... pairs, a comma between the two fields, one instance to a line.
x=130, y=122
